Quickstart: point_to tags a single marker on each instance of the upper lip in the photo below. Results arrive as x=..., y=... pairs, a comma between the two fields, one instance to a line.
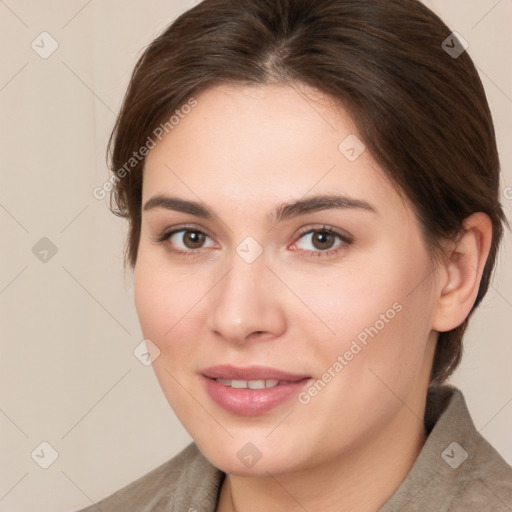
x=228, y=372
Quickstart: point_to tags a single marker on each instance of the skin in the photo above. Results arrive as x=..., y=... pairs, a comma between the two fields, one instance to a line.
x=243, y=150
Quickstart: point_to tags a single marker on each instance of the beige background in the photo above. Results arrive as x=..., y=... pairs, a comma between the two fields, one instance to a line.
x=68, y=326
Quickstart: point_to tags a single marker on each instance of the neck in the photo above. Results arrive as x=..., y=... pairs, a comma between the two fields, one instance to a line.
x=362, y=479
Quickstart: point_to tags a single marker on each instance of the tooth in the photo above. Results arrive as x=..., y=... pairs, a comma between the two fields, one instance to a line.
x=251, y=384
x=239, y=384
x=256, y=384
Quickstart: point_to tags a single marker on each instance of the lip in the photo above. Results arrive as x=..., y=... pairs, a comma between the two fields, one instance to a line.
x=251, y=402
x=226, y=371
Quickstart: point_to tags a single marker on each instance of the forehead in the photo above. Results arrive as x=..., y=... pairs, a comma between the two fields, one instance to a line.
x=263, y=144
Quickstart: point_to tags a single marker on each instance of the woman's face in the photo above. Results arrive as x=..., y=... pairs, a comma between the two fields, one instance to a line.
x=345, y=313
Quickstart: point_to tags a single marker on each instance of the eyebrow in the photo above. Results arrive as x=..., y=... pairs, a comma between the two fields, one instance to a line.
x=282, y=212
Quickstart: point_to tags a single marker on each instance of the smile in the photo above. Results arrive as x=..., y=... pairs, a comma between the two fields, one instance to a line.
x=253, y=390
x=251, y=384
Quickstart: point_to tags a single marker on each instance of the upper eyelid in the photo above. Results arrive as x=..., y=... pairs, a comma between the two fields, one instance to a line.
x=326, y=227
x=344, y=237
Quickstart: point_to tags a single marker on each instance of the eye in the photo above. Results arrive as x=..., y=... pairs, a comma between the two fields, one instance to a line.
x=184, y=240
x=322, y=241
x=188, y=241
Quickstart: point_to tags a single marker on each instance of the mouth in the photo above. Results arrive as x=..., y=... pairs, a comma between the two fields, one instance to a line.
x=253, y=384
x=252, y=390
x=251, y=374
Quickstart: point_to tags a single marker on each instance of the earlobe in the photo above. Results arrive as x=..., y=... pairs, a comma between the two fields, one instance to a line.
x=462, y=271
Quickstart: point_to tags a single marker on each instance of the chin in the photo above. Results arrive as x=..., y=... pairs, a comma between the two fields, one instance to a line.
x=243, y=457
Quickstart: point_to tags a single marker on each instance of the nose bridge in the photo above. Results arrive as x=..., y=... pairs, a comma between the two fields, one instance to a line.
x=242, y=303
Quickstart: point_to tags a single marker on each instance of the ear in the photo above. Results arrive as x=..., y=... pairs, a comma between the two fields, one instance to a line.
x=461, y=273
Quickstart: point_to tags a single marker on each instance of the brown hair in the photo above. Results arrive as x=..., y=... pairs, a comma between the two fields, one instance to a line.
x=421, y=112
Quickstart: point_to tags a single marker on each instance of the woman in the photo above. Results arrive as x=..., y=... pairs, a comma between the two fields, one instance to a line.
x=312, y=191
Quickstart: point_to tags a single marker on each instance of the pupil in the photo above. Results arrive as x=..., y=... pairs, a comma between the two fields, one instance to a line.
x=193, y=239
x=323, y=238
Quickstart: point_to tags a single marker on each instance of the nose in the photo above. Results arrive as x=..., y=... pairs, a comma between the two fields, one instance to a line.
x=246, y=303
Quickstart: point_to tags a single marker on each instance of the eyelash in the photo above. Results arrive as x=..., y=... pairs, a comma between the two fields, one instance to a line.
x=346, y=241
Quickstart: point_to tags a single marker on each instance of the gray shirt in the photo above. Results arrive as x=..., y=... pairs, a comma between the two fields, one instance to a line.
x=456, y=470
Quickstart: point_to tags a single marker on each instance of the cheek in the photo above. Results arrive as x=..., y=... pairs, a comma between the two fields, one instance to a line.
x=162, y=301
x=152, y=307
x=381, y=330
x=163, y=305
x=378, y=315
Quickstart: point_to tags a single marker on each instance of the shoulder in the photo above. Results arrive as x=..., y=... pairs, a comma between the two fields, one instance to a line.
x=188, y=481
x=457, y=469
x=484, y=478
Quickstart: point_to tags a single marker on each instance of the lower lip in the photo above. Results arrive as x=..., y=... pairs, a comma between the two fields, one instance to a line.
x=250, y=402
